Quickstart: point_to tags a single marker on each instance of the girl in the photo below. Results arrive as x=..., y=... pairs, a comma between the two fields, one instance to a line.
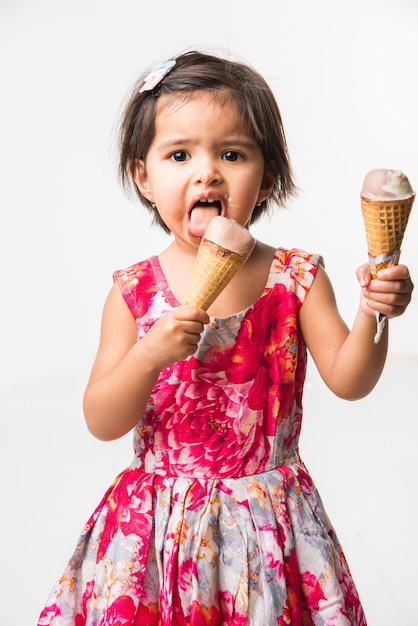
x=217, y=520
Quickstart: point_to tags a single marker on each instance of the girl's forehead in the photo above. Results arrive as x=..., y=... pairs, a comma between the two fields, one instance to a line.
x=218, y=104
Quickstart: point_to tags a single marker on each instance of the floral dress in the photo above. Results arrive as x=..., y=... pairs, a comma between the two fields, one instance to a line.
x=216, y=522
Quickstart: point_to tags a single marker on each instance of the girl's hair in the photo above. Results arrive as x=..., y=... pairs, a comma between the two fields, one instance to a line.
x=229, y=81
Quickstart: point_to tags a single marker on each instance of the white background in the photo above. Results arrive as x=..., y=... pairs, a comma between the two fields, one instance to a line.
x=345, y=77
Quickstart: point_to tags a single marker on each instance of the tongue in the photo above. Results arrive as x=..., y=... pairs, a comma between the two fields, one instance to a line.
x=200, y=218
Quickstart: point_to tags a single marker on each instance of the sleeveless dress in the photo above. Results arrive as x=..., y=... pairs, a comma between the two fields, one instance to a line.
x=216, y=522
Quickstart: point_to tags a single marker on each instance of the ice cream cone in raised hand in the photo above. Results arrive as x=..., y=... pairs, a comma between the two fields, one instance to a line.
x=223, y=250
x=386, y=201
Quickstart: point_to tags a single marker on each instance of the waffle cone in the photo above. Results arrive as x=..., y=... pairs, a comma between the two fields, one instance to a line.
x=214, y=268
x=385, y=223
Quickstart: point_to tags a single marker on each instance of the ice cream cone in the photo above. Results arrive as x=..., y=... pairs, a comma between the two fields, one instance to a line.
x=386, y=201
x=214, y=268
x=385, y=223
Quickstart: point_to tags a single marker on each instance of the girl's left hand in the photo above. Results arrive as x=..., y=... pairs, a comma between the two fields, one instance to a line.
x=389, y=294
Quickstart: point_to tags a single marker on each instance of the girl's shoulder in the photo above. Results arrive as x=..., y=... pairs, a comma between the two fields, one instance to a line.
x=296, y=269
x=138, y=283
x=296, y=259
x=130, y=277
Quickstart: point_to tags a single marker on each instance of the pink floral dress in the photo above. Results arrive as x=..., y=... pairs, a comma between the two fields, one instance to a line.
x=216, y=521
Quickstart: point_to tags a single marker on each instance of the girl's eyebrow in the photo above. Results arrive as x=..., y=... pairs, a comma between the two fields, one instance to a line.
x=249, y=144
x=239, y=142
x=170, y=143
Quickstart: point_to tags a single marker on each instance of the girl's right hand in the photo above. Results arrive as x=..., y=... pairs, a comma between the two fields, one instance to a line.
x=125, y=370
x=175, y=336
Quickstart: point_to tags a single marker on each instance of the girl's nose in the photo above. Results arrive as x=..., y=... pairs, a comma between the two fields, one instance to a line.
x=205, y=177
x=208, y=176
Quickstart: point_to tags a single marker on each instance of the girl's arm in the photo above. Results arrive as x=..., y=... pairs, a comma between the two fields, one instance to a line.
x=125, y=370
x=349, y=362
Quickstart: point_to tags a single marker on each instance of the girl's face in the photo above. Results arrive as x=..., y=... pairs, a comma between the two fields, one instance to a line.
x=202, y=162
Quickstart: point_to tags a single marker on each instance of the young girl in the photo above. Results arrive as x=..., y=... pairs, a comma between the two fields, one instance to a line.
x=217, y=520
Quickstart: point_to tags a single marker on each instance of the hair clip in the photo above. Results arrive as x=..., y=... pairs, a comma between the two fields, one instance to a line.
x=156, y=75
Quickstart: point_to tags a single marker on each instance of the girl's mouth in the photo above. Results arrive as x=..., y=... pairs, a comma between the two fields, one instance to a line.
x=202, y=212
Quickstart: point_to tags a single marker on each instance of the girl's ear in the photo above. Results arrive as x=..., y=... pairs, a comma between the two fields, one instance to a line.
x=140, y=178
x=267, y=185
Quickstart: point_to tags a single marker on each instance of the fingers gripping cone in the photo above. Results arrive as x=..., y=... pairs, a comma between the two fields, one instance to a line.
x=386, y=201
x=223, y=250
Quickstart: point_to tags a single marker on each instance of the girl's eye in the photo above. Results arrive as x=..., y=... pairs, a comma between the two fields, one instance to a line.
x=232, y=155
x=179, y=156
